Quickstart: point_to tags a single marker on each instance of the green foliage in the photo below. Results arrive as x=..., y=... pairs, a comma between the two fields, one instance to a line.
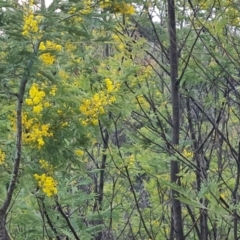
x=97, y=110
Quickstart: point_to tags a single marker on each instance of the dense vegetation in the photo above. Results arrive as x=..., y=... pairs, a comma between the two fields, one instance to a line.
x=119, y=120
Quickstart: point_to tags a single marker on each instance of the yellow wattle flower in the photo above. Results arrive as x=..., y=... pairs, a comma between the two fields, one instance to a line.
x=2, y=157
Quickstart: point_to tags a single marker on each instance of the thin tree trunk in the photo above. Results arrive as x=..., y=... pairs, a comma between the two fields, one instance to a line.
x=177, y=223
x=3, y=231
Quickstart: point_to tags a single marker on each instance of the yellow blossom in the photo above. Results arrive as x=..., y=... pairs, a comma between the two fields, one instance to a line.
x=94, y=107
x=53, y=91
x=94, y=121
x=105, y=4
x=130, y=161
x=87, y=7
x=119, y=7
x=53, y=46
x=84, y=122
x=40, y=142
x=64, y=124
x=46, y=104
x=2, y=157
x=79, y=152
x=42, y=46
x=72, y=10
x=30, y=24
x=46, y=166
x=47, y=184
x=70, y=47
x=34, y=91
x=63, y=74
x=49, y=45
x=187, y=154
x=47, y=58
x=112, y=99
x=34, y=132
x=109, y=85
x=142, y=102
x=36, y=99
x=37, y=109
x=29, y=101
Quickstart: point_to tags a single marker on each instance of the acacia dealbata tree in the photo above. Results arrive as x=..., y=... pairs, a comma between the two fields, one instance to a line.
x=119, y=120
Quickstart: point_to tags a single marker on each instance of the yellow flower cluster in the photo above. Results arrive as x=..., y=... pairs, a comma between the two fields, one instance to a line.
x=47, y=184
x=48, y=58
x=47, y=166
x=87, y=7
x=124, y=8
x=49, y=45
x=94, y=107
x=75, y=18
x=233, y=16
x=34, y=132
x=2, y=157
x=72, y=10
x=64, y=75
x=79, y=152
x=130, y=161
x=53, y=90
x=36, y=99
x=110, y=87
x=142, y=103
x=31, y=23
x=187, y=154
x=120, y=7
x=70, y=47
x=105, y=4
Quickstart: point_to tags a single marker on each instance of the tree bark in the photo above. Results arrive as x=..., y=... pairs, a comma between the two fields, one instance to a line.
x=177, y=223
x=3, y=231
